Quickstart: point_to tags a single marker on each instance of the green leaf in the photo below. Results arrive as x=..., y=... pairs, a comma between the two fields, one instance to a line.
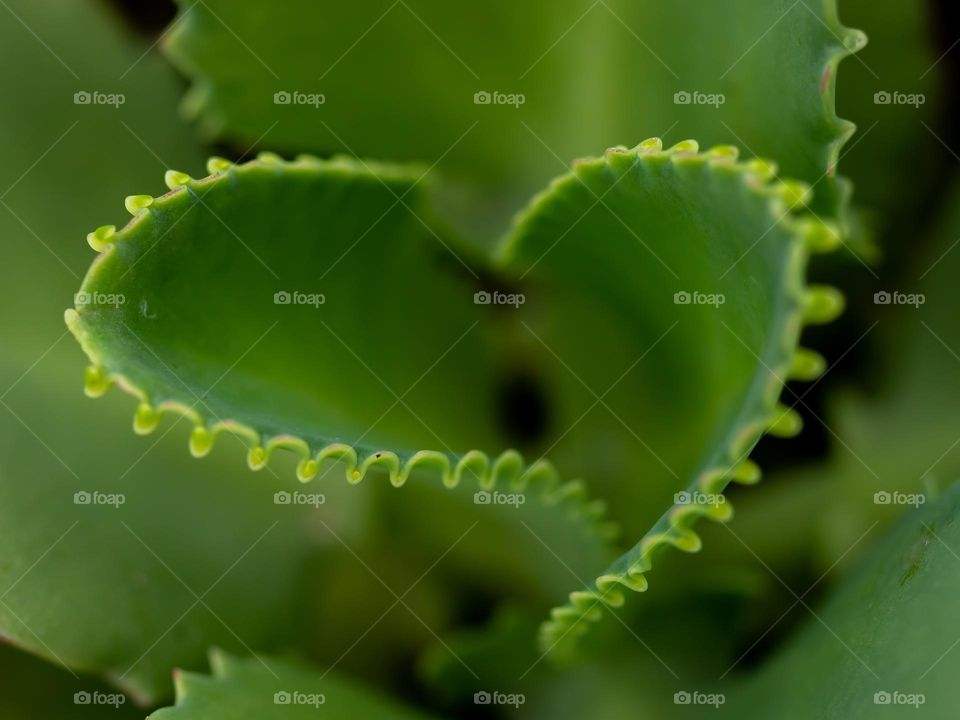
x=888, y=627
x=591, y=76
x=309, y=277
x=76, y=585
x=55, y=179
x=895, y=442
x=891, y=447
x=564, y=537
x=730, y=235
x=274, y=689
x=31, y=689
x=280, y=393
x=199, y=269
x=123, y=559
x=866, y=645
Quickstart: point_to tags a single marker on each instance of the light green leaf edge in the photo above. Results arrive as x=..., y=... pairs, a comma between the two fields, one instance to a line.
x=508, y=469
x=189, y=36
x=729, y=463
x=761, y=412
x=268, y=688
x=852, y=41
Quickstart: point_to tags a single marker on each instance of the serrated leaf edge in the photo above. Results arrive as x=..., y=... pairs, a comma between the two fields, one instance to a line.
x=809, y=304
x=508, y=469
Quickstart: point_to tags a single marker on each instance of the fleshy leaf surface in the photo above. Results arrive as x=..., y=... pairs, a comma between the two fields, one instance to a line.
x=122, y=560
x=866, y=654
x=275, y=690
x=560, y=84
x=309, y=276
x=206, y=266
x=31, y=689
x=739, y=290
x=76, y=585
x=882, y=645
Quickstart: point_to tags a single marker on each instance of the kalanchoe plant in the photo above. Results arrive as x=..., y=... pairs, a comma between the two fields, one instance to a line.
x=531, y=400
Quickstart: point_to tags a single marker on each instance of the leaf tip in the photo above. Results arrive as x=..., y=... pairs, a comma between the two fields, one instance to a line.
x=785, y=423
x=174, y=179
x=822, y=304
x=257, y=457
x=218, y=165
x=95, y=382
x=201, y=441
x=101, y=238
x=145, y=419
x=650, y=145
x=685, y=146
x=135, y=203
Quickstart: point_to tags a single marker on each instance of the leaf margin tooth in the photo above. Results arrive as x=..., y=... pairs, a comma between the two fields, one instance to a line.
x=812, y=304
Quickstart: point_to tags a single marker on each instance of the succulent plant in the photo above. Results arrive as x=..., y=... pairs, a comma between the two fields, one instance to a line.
x=481, y=420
